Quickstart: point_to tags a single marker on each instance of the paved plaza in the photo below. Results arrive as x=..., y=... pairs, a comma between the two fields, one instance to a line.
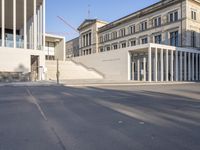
x=115, y=117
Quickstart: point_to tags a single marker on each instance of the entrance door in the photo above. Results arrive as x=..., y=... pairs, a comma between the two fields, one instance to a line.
x=34, y=67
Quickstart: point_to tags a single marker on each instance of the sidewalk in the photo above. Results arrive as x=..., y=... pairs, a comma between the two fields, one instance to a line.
x=114, y=83
x=94, y=83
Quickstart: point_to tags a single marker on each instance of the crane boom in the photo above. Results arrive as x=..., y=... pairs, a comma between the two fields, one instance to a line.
x=66, y=23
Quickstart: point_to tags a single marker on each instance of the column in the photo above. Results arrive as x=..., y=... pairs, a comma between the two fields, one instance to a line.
x=197, y=66
x=3, y=22
x=44, y=22
x=189, y=67
x=172, y=66
x=41, y=10
x=144, y=67
x=38, y=28
x=185, y=66
x=181, y=66
x=156, y=65
x=25, y=24
x=34, y=25
x=14, y=23
x=133, y=70
x=176, y=52
x=138, y=69
x=192, y=66
x=149, y=64
x=167, y=65
x=161, y=67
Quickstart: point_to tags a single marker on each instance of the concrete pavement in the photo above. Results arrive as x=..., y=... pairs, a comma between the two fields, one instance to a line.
x=113, y=117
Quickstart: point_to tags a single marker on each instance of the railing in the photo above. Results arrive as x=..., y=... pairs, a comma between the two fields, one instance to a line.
x=19, y=44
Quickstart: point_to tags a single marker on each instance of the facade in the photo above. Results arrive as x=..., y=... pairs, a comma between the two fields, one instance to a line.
x=162, y=43
x=72, y=48
x=54, y=47
x=22, y=38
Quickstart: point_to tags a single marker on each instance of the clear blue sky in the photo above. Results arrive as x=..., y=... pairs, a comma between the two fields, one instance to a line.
x=75, y=11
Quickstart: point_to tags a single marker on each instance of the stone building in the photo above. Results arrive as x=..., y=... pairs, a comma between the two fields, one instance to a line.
x=162, y=43
x=72, y=48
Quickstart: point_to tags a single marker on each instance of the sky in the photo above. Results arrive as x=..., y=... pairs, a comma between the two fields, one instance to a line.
x=76, y=11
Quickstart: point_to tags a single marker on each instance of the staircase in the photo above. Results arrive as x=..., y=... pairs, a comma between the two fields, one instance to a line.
x=70, y=70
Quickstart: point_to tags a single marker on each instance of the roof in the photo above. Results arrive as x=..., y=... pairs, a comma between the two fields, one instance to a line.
x=88, y=22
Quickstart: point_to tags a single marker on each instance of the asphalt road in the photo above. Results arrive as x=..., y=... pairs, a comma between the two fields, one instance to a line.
x=163, y=117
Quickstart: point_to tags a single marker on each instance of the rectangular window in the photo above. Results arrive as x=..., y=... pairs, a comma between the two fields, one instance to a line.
x=107, y=37
x=115, y=46
x=158, y=39
x=123, y=45
x=157, y=22
x=114, y=35
x=143, y=26
x=193, y=15
x=176, y=16
x=122, y=32
x=174, y=38
x=144, y=40
x=133, y=43
x=173, y=16
x=108, y=48
x=193, y=39
x=101, y=49
x=132, y=29
x=101, y=39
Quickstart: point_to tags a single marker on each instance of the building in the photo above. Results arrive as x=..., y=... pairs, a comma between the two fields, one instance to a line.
x=54, y=47
x=158, y=43
x=72, y=48
x=22, y=39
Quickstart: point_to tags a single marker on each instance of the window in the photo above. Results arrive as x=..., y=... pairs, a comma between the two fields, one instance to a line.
x=123, y=45
x=132, y=29
x=143, y=26
x=193, y=39
x=114, y=35
x=193, y=15
x=115, y=46
x=101, y=49
x=122, y=32
x=158, y=39
x=174, y=38
x=107, y=37
x=144, y=40
x=133, y=43
x=157, y=22
x=90, y=51
x=108, y=48
x=101, y=39
x=173, y=16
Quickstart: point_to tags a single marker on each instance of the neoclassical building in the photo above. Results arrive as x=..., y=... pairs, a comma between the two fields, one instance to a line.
x=160, y=43
x=22, y=38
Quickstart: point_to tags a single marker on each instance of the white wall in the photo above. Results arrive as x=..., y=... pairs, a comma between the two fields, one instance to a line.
x=70, y=70
x=114, y=65
x=18, y=60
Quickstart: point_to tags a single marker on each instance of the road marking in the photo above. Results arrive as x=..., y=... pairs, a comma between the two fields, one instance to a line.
x=34, y=100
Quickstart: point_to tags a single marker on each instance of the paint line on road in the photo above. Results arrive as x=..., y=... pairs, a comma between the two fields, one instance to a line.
x=34, y=100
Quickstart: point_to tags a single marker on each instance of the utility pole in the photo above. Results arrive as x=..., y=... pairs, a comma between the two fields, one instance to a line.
x=58, y=72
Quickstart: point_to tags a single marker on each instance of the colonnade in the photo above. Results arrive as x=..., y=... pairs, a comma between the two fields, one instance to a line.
x=158, y=64
x=33, y=27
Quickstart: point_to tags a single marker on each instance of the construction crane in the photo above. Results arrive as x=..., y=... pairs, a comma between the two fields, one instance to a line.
x=67, y=24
